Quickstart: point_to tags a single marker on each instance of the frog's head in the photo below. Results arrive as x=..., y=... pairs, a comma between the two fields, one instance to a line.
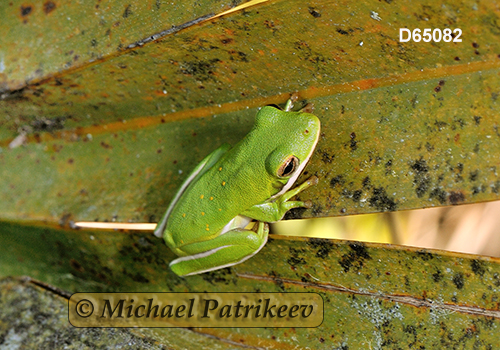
x=292, y=138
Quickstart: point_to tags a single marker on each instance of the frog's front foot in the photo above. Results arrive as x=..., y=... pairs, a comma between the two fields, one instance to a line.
x=313, y=180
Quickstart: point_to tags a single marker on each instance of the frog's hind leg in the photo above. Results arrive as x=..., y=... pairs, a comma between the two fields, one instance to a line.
x=231, y=248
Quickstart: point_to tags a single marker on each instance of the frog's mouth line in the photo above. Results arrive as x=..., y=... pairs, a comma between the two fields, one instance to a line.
x=297, y=173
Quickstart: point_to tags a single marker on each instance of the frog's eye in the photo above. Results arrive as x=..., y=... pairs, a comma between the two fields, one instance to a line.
x=288, y=167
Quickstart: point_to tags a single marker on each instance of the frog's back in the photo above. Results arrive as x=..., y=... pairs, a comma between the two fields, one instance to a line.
x=222, y=193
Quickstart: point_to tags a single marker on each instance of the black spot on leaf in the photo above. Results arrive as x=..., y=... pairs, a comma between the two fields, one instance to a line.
x=26, y=10
x=381, y=200
x=323, y=246
x=337, y=180
x=355, y=259
x=421, y=179
x=458, y=280
x=478, y=267
x=456, y=197
x=314, y=12
x=48, y=7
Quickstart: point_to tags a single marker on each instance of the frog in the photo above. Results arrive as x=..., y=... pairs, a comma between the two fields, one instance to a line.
x=220, y=215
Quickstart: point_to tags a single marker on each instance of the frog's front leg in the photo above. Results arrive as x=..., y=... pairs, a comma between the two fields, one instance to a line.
x=274, y=210
x=227, y=249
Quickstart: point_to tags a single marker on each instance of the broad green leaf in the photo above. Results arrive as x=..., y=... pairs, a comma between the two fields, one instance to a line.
x=373, y=294
x=74, y=35
x=405, y=125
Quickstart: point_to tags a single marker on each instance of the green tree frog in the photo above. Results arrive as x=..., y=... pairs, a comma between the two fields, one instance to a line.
x=206, y=222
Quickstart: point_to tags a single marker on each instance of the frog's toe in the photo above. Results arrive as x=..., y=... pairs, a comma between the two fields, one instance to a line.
x=308, y=108
x=313, y=180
